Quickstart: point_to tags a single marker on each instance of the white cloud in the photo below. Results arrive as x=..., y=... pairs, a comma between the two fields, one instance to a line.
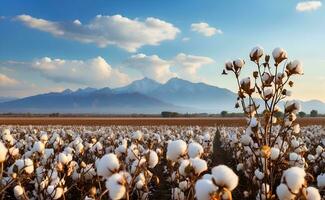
x=185, y=39
x=183, y=66
x=187, y=66
x=7, y=82
x=128, y=34
x=308, y=6
x=92, y=72
x=151, y=66
x=205, y=29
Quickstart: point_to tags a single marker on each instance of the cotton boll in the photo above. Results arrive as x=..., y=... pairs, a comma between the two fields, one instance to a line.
x=312, y=194
x=175, y=149
x=137, y=163
x=256, y=53
x=18, y=191
x=238, y=63
x=199, y=165
x=283, y=192
x=204, y=188
x=240, y=167
x=153, y=159
x=137, y=135
x=7, y=138
x=38, y=147
x=321, y=181
x=115, y=186
x=183, y=166
x=294, y=67
x=177, y=194
x=268, y=93
x=64, y=158
x=195, y=150
x=108, y=164
x=246, y=140
x=319, y=150
x=225, y=177
x=275, y=152
x=3, y=152
x=55, y=192
x=279, y=55
x=259, y=175
x=183, y=185
x=294, y=177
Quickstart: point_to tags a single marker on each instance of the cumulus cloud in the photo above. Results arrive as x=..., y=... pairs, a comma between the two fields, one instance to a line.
x=92, y=72
x=7, y=82
x=205, y=29
x=128, y=34
x=186, y=66
x=151, y=66
x=308, y=6
x=183, y=66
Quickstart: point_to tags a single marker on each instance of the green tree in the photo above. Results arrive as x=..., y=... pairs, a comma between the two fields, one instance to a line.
x=313, y=113
x=224, y=113
x=302, y=114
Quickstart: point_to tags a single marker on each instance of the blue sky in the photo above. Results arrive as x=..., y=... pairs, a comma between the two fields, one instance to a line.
x=43, y=48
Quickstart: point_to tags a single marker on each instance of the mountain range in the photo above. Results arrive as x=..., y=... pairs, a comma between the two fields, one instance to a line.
x=141, y=96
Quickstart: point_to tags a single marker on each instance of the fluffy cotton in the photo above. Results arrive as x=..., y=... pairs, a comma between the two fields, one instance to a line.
x=321, y=181
x=204, y=188
x=55, y=192
x=294, y=177
x=137, y=135
x=65, y=158
x=176, y=149
x=115, y=186
x=3, y=152
x=225, y=177
x=18, y=191
x=283, y=192
x=275, y=152
x=312, y=194
x=25, y=164
x=195, y=150
x=108, y=164
x=279, y=54
x=153, y=159
x=256, y=53
x=38, y=147
x=199, y=165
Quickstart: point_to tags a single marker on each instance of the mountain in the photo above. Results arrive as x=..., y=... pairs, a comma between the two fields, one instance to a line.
x=5, y=99
x=205, y=97
x=87, y=101
x=141, y=96
x=144, y=86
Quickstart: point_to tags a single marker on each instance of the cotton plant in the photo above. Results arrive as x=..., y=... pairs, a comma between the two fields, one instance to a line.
x=271, y=142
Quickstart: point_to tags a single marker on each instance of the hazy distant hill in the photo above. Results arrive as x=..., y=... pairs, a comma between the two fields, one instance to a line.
x=141, y=96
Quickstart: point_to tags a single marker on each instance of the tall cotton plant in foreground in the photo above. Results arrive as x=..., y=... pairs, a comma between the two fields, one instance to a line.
x=271, y=141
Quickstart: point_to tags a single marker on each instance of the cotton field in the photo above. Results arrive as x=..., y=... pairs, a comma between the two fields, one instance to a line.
x=130, y=162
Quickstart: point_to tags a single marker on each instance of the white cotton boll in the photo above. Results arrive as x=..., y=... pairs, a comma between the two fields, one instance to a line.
x=108, y=164
x=207, y=176
x=224, y=176
x=137, y=164
x=240, y=167
x=183, y=185
x=256, y=53
x=3, y=152
x=321, y=181
x=55, y=192
x=294, y=177
x=268, y=92
x=204, y=188
x=44, y=138
x=259, y=175
x=199, y=165
x=18, y=191
x=295, y=143
x=177, y=194
x=311, y=158
x=279, y=54
x=115, y=186
x=275, y=153
x=296, y=129
x=195, y=150
x=25, y=164
x=13, y=151
x=283, y=192
x=182, y=167
x=6, y=131
x=312, y=194
x=229, y=65
x=246, y=140
x=175, y=149
x=137, y=135
x=153, y=159
x=65, y=158
x=139, y=184
x=319, y=150
x=239, y=63
x=8, y=139
x=295, y=67
x=38, y=147
x=294, y=156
